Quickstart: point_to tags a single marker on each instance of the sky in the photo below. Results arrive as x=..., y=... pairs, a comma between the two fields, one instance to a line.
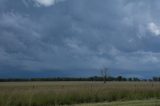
x=79, y=37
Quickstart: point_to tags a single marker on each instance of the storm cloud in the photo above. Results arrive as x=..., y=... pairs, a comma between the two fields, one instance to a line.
x=39, y=35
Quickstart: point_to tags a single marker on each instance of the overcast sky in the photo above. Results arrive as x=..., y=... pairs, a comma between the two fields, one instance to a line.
x=42, y=35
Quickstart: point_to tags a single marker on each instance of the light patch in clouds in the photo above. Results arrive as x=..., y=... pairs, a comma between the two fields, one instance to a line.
x=46, y=3
x=154, y=29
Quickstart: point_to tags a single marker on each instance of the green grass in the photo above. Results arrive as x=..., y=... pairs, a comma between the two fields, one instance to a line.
x=152, y=102
x=68, y=93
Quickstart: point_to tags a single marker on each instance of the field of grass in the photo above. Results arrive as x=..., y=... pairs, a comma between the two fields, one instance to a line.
x=69, y=93
x=152, y=102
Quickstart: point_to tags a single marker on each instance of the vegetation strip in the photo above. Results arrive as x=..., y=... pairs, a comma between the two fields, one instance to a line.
x=152, y=102
x=69, y=93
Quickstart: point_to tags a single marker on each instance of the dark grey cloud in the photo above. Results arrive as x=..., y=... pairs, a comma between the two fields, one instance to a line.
x=79, y=34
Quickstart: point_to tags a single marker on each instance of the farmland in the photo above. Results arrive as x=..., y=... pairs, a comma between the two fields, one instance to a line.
x=77, y=93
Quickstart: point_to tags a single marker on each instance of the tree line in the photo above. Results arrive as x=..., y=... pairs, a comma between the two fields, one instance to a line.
x=94, y=78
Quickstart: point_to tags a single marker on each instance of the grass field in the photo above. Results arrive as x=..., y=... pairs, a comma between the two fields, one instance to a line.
x=152, y=102
x=69, y=93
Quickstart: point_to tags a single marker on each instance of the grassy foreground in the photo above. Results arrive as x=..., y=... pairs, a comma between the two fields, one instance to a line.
x=152, y=102
x=69, y=93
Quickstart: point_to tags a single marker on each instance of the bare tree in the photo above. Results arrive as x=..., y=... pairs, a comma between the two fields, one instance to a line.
x=104, y=73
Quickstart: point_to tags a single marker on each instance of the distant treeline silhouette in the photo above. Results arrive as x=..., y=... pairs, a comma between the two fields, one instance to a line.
x=94, y=78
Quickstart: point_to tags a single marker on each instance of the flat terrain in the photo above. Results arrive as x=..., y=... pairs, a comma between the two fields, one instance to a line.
x=69, y=93
x=152, y=102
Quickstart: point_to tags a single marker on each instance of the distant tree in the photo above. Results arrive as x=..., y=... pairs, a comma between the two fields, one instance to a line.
x=119, y=78
x=104, y=72
x=156, y=78
x=136, y=79
x=110, y=78
x=130, y=79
